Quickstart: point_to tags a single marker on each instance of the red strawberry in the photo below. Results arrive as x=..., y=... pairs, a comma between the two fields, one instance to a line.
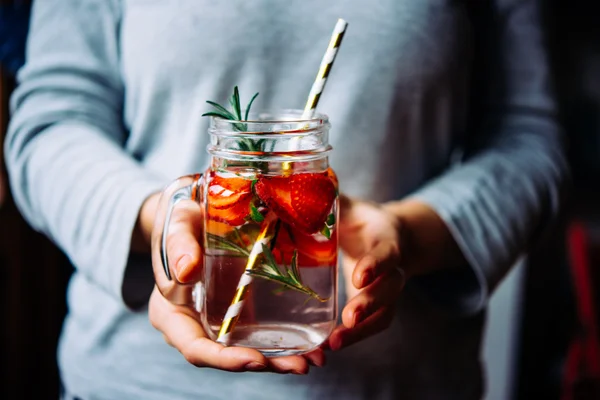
x=229, y=199
x=302, y=200
x=235, y=184
x=313, y=250
x=234, y=216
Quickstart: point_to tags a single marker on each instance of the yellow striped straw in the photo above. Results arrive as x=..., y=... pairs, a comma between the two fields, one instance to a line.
x=319, y=84
x=237, y=304
x=325, y=68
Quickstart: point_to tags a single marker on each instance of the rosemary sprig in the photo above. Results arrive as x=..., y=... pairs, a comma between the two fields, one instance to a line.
x=289, y=278
x=220, y=243
x=236, y=115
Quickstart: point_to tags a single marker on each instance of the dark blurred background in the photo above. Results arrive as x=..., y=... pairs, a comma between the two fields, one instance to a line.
x=558, y=351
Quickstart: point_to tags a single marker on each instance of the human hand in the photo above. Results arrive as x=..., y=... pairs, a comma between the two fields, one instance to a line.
x=370, y=239
x=180, y=325
x=383, y=246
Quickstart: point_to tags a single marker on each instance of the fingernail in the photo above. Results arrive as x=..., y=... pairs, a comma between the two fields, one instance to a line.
x=255, y=366
x=321, y=362
x=183, y=262
x=314, y=364
x=296, y=372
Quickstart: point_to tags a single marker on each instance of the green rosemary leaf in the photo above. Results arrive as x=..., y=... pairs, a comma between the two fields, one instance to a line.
x=261, y=272
x=289, y=279
x=250, y=105
x=243, y=145
x=221, y=109
x=241, y=127
x=246, y=144
x=255, y=214
x=282, y=280
x=253, y=184
x=268, y=275
x=269, y=256
x=236, y=115
x=218, y=240
x=326, y=231
x=220, y=246
x=294, y=271
x=250, y=144
x=235, y=103
x=260, y=143
x=330, y=219
x=269, y=269
x=214, y=114
x=225, y=247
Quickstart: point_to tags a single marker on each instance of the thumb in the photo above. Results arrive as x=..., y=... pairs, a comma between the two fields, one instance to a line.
x=183, y=241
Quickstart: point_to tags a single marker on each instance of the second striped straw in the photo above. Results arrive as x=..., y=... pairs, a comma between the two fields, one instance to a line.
x=237, y=304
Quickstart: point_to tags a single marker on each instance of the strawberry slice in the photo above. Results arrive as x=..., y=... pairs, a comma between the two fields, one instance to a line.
x=313, y=250
x=302, y=200
x=229, y=199
x=235, y=184
x=224, y=198
x=233, y=216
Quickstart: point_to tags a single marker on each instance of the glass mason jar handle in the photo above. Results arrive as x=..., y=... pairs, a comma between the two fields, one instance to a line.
x=187, y=188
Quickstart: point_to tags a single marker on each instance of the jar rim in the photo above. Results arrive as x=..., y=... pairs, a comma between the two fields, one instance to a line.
x=258, y=120
x=284, y=137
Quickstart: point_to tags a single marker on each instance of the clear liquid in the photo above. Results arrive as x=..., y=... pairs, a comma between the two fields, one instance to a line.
x=273, y=321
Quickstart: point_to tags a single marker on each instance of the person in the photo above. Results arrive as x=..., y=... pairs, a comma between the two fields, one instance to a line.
x=446, y=145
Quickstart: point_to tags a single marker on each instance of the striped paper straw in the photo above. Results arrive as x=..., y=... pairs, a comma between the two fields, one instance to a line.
x=319, y=84
x=237, y=304
x=325, y=68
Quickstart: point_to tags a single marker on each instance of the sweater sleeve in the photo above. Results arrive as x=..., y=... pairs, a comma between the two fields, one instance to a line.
x=507, y=190
x=69, y=173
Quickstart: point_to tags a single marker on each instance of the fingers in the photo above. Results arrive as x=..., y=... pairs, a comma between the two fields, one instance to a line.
x=382, y=259
x=297, y=364
x=382, y=293
x=343, y=337
x=182, y=330
x=183, y=248
x=290, y=364
x=316, y=357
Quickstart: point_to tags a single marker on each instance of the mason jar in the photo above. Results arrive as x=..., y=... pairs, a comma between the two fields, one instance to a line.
x=269, y=237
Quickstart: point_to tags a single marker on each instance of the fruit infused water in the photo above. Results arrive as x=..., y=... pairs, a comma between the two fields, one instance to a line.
x=270, y=238
x=290, y=306
x=269, y=201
